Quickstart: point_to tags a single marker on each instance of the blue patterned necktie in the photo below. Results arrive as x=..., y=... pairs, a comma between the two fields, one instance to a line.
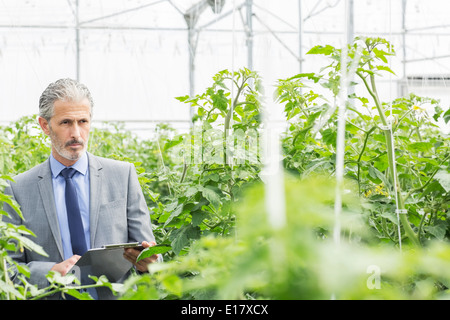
x=73, y=214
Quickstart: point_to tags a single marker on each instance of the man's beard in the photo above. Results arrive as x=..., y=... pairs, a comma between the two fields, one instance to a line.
x=60, y=147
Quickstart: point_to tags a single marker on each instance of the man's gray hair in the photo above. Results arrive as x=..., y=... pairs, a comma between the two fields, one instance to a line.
x=62, y=89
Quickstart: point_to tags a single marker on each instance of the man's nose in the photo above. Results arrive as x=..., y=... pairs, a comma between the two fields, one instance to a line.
x=75, y=131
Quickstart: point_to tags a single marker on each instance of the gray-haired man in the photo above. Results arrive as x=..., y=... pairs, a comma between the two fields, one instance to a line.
x=111, y=205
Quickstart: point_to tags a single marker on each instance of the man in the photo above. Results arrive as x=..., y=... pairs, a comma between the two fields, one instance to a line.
x=104, y=194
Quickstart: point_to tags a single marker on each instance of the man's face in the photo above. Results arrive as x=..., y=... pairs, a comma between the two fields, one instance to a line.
x=68, y=130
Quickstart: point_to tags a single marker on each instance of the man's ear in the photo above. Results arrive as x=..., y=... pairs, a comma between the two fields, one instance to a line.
x=44, y=125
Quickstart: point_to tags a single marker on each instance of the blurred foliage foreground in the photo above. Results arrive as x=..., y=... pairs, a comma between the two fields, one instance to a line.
x=208, y=194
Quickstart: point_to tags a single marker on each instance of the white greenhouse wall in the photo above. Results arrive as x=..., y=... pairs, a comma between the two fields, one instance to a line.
x=135, y=59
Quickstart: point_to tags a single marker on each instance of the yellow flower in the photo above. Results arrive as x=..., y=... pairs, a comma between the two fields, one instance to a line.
x=377, y=190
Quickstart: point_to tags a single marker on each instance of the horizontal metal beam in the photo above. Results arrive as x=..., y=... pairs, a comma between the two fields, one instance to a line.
x=427, y=58
x=143, y=28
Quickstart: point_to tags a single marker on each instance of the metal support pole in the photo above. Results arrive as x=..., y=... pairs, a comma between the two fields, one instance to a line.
x=300, y=36
x=404, y=37
x=350, y=26
x=350, y=36
x=77, y=39
x=191, y=17
x=249, y=5
x=192, y=49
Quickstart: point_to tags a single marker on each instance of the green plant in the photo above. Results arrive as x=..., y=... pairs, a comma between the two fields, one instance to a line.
x=395, y=148
x=12, y=238
x=298, y=261
x=23, y=146
x=218, y=159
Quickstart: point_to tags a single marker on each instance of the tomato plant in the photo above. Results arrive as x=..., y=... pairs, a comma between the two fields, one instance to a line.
x=219, y=156
x=390, y=147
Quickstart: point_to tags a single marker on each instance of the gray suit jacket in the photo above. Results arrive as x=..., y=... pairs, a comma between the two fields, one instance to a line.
x=118, y=211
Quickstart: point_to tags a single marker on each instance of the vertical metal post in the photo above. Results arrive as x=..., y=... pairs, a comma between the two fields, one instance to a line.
x=77, y=40
x=191, y=18
x=192, y=45
x=300, y=36
x=404, y=37
x=350, y=35
x=249, y=4
x=350, y=25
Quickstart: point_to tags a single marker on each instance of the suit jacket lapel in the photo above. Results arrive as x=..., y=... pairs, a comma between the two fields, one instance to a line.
x=95, y=192
x=46, y=191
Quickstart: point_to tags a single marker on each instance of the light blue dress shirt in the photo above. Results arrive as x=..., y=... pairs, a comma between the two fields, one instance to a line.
x=81, y=180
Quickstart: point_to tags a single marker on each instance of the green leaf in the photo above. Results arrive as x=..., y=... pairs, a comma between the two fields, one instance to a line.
x=198, y=217
x=444, y=179
x=390, y=215
x=175, y=213
x=437, y=230
x=384, y=68
x=220, y=101
x=173, y=142
x=183, y=98
x=327, y=50
x=182, y=236
x=10, y=289
x=12, y=203
x=191, y=190
x=23, y=269
x=310, y=76
x=329, y=136
x=381, y=54
x=158, y=249
x=420, y=146
x=211, y=193
x=446, y=116
x=77, y=294
x=378, y=176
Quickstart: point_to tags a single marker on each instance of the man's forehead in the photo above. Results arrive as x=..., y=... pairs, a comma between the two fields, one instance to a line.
x=70, y=105
x=70, y=110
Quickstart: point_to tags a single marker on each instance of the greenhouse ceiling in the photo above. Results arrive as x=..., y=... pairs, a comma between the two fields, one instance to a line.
x=137, y=55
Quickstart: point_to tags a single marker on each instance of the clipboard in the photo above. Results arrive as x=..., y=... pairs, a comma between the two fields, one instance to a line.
x=107, y=260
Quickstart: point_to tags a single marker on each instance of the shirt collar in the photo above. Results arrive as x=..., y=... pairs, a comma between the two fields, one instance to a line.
x=81, y=165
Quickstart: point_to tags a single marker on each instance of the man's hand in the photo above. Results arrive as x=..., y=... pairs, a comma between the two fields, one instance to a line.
x=66, y=265
x=131, y=255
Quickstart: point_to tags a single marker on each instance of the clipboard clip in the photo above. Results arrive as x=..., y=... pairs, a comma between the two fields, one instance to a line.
x=122, y=245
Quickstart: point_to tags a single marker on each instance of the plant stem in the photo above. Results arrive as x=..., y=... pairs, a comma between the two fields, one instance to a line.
x=63, y=289
x=183, y=175
x=421, y=225
x=391, y=158
x=228, y=119
x=361, y=153
x=5, y=272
